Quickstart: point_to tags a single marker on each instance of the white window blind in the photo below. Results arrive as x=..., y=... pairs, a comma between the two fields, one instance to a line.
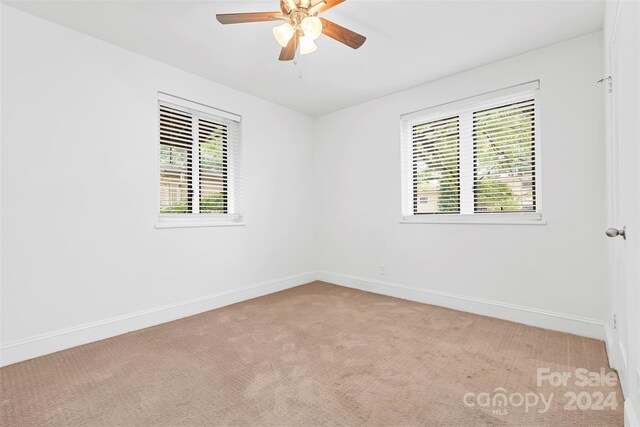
x=436, y=166
x=505, y=158
x=474, y=157
x=199, y=161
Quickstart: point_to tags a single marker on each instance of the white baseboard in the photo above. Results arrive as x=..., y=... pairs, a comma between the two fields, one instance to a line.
x=630, y=415
x=610, y=346
x=28, y=348
x=617, y=361
x=529, y=316
x=16, y=351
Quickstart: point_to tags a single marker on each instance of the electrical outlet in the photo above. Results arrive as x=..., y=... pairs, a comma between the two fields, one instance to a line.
x=383, y=269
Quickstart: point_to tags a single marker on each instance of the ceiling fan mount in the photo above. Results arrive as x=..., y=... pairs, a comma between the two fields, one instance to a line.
x=301, y=26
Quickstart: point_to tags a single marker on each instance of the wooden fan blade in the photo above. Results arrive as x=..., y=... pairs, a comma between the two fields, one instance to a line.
x=330, y=4
x=289, y=52
x=240, y=18
x=341, y=34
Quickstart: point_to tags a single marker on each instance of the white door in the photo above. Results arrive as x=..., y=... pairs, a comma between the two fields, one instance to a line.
x=624, y=175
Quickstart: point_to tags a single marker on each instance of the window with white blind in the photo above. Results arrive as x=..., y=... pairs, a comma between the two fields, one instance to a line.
x=475, y=160
x=199, y=164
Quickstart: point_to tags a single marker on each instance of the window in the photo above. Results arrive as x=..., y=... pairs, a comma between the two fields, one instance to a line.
x=199, y=164
x=474, y=160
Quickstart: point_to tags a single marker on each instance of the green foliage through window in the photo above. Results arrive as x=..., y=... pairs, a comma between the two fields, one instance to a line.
x=504, y=165
x=193, y=164
x=436, y=166
x=479, y=160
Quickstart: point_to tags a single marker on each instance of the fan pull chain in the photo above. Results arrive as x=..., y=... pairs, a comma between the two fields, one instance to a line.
x=298, y=63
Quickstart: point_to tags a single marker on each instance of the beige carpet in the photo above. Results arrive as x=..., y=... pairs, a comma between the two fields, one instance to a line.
x=314, y=355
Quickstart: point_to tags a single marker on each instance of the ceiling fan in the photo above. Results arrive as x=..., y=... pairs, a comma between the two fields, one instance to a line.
x=301, y=26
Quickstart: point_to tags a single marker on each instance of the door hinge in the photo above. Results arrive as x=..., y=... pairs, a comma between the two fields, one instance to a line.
x=609, y=81
x=615, y=322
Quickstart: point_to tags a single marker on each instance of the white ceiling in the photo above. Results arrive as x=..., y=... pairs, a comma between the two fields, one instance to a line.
x=408, y=42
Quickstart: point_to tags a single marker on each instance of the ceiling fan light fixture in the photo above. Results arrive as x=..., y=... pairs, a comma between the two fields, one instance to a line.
x=283, y=33
x=307, y=45
x=312, y=27
x=291, y=4
x=316, y=7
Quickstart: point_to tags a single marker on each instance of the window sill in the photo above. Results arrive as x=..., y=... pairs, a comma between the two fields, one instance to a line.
x=490, y=219
x=172, y=221
x=199, y=224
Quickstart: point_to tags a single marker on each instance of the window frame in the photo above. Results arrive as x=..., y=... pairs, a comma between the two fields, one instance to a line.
x=464, y=108
x=232, y=181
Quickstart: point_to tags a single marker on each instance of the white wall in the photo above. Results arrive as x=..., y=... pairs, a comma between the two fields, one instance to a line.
x=551, y=275
x=80, y=194
x=82, y=259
